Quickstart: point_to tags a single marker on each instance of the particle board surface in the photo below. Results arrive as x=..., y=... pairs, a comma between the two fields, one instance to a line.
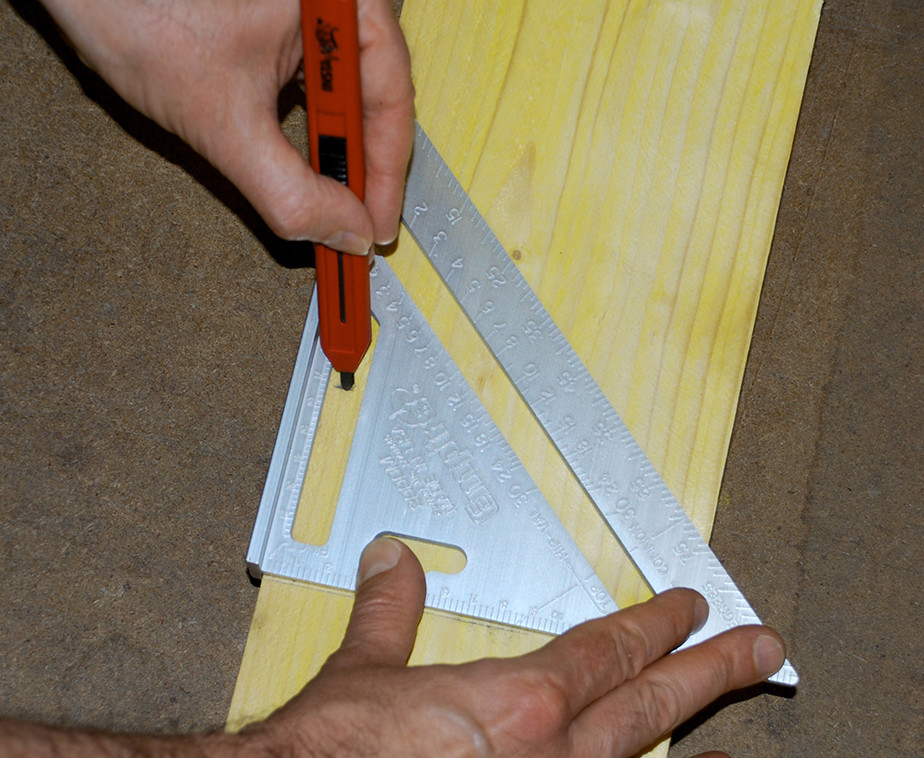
x=630, y=157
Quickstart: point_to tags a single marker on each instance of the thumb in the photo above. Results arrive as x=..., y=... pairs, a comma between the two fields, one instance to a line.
x=295, y=202
x=389, y=602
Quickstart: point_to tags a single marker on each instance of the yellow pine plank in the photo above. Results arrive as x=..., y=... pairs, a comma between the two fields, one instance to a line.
x=630, y=156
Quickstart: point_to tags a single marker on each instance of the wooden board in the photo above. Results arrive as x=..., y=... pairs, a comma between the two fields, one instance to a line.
x=630, y=157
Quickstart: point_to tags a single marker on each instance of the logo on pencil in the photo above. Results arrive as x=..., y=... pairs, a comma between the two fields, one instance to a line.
x=327, y=44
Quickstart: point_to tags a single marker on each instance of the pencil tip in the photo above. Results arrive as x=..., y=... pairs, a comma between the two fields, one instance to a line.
x=347, y=379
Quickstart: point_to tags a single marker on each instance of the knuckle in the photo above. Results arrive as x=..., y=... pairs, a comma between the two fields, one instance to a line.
x=631, y=642
x=305, y=218
x=298, y=212
x=285, y=219
x=548, y=700
x=537, y=697
x=661, y=705
x=723, y=668
x=409, y=96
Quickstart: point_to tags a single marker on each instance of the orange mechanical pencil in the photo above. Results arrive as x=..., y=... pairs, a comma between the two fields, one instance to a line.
x=335, y=144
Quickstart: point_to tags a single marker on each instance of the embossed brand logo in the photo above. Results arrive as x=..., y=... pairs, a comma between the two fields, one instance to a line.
x=415, y=414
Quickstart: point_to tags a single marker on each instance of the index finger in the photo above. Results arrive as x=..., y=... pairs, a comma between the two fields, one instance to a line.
x=674, y=688
x=388, y=114
x=594, y=658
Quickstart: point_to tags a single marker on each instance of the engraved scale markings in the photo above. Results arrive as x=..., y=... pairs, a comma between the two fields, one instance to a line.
x=427, y=462
x=637, y=505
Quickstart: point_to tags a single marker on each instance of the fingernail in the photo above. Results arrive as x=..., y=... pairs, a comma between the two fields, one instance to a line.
x=347, y=242
x=768, y=655
x=382, y=554
x=700, y=614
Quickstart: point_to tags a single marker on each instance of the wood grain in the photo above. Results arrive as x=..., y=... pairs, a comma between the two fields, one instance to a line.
x=630, y=157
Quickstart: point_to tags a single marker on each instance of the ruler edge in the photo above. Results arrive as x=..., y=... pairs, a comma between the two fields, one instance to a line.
x=787, y=676
x=268, y=508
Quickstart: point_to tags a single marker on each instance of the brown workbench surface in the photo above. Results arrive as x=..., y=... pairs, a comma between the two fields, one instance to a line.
x=148, y=326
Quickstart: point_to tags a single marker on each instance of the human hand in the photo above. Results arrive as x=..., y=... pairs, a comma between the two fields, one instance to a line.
x=606, y=688
x=210, y=71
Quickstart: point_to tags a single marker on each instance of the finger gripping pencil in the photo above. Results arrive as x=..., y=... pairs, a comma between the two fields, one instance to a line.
x=335, y=144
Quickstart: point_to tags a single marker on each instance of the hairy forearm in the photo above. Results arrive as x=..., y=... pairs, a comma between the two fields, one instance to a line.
x=21, y=739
